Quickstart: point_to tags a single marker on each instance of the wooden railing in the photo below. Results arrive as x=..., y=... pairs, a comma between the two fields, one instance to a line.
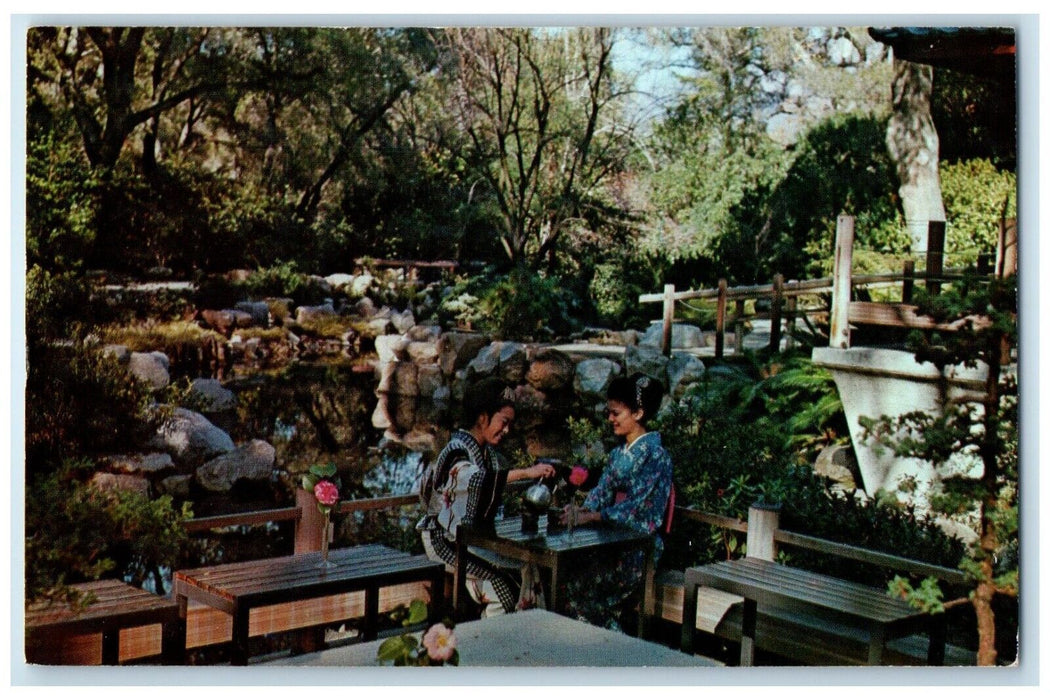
x=764, y=535
x=784, y=296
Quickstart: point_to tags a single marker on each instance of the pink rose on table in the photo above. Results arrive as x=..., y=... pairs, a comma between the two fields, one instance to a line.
x=326, y=493
x=577, y=476
x=439, y=642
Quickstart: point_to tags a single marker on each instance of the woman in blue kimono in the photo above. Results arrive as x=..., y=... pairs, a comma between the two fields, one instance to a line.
x=633, y=490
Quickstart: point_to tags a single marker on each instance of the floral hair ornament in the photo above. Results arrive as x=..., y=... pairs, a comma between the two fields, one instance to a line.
x=640, y=384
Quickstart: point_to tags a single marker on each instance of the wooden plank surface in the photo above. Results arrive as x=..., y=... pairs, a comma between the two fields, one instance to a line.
x=767, y=581
x=285, y=578
x=118, y=605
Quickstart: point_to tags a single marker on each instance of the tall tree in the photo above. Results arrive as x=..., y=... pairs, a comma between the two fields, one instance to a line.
x=539, y=107
x=911, y=138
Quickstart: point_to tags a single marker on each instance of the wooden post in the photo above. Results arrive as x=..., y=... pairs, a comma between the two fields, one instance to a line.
x=720, y=320
x=775, y=312
x=1006, y=251
x=908, y=287
x=762, y=522
x=935, y=257
x=309, y=526
x=842, y=286
x=668, y=318
x=791, y=303
x=738, y=328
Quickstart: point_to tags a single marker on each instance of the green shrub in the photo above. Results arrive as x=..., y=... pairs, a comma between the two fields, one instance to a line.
x=519, y=305
x=75, y=533
x=81, y=402
x=748, y=434
x=976, y=196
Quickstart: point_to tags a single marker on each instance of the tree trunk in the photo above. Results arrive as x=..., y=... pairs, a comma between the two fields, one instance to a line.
x=982, y=605
x=911, y=139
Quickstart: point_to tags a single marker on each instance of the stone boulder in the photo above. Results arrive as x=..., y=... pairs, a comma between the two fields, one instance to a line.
x=391, y=348
x=485, y=363
x=306, y=314
x=212, y=396
x=253, y=461
x=177, y=486
x=513, y=362
x=593, y=377
x=456, y=350
x=405, y=379
x=339, y=280
x=683, y=371
x=424, y=333
x=364, y=307
x=191, y=439
x=838, y=463
x=550, y=370
x=259, y=311
x=646, y=359
x=531, y=406
x=422, y=352
x=224, y=321
x=119, y=352
x=403, y=321
x=361, y=285
x=380, y=326
x=683, y=336
x=150, y=367
x=429, y=379
x=109, y=483
x=151, y=465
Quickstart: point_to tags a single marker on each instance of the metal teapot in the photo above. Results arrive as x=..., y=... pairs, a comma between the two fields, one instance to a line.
x=538, y=496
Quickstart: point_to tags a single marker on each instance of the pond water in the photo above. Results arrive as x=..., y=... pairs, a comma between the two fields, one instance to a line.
x=331, y=413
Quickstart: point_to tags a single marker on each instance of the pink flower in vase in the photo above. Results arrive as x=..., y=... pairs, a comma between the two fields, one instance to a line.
x=439, y=642
x=578, y=476
x=326, y=493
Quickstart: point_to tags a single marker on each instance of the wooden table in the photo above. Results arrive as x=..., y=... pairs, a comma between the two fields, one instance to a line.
x=769, y=583
x=117, y=606
x=526, y=638
x=554, y=551
x=237, y=588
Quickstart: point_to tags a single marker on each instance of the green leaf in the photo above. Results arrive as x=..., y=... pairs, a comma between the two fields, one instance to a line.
x=394, y=648
x=323, y=471
x=417, y=613
x=309, y=481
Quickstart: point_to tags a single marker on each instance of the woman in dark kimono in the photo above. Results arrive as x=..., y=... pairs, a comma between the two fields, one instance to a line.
x=465, y=486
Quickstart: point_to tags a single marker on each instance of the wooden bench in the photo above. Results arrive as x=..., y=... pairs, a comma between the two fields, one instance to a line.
x=808, y=637
x=236, y=589
x=117, y=606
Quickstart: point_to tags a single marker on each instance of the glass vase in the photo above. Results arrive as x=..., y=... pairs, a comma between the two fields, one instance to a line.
x=326, y=535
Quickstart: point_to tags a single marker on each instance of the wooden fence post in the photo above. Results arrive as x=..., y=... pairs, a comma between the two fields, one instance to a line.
x=842, y=285
x=738, y=328
x=309, y=525
x=791, y=304
x=934, y=256
x=775, y=312
x=720, y=320
x=908, y=288
x=668, y=318
x=762, y=523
